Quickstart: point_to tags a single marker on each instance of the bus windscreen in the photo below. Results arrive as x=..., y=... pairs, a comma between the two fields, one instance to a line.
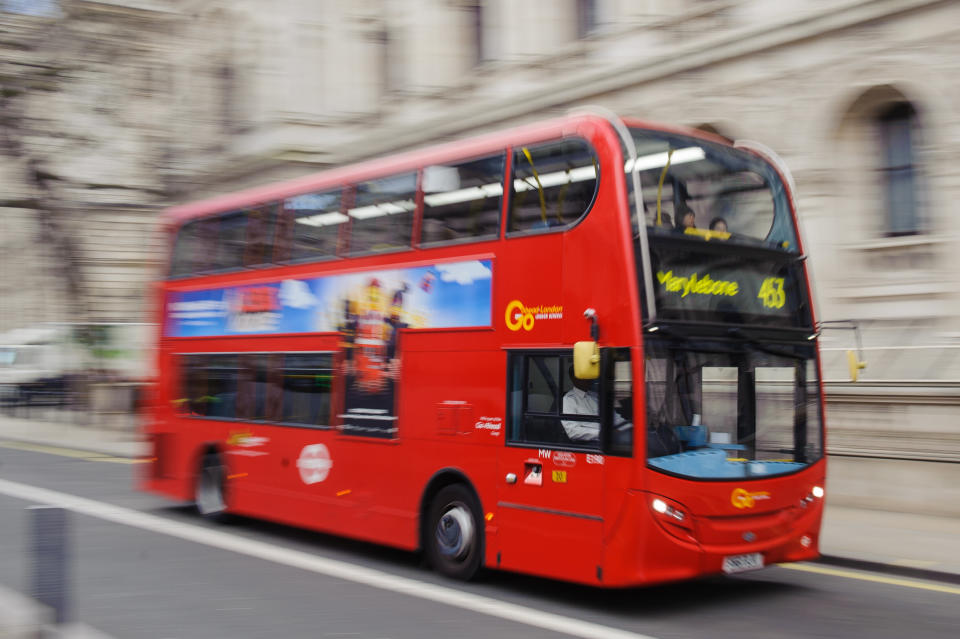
x=706, y=192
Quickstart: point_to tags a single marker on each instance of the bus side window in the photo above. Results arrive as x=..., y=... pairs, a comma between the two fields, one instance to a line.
x=311, y=223
x=231, y=241
x=553, y=185
x=306, y=389
x=251, y=399
x=382, y=214
x=209, y=386
x=462, y=201
x=260, y=235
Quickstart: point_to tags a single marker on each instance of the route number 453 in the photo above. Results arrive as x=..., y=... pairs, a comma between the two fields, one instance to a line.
x=771, y=292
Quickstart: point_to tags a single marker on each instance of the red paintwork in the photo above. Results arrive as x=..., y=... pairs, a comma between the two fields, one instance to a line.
x=375, y=488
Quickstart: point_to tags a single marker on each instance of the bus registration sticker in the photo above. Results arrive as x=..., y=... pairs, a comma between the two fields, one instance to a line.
x=742, y=563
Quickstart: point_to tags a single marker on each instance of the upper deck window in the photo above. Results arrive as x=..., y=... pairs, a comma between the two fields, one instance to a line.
x=462, y=201
x=897, y=126
x=261, y=223
x=553, y=185
x=193, y=248
x=382, y=214
x=231, y=241
x=312, y=222
x=709, y=192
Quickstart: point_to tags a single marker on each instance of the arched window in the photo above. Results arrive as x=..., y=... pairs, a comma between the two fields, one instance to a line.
x=896, y=124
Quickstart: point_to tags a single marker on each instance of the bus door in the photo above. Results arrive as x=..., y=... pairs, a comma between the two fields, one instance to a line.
x=550, y=495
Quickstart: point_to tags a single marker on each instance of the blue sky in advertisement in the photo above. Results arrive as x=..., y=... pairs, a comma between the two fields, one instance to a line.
x=447, y=295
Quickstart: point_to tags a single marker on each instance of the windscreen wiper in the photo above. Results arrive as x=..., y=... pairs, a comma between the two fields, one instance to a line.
x=666, y=331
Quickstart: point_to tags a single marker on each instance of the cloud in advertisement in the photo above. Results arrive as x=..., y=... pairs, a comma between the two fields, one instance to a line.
x=463, y=273
x=296, y=294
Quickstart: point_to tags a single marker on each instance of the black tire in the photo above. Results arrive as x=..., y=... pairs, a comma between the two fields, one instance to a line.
x=209, y=489
x=454, y=533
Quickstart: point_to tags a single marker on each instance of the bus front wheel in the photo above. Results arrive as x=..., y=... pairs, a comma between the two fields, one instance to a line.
x=209, y=489
x=455, y=533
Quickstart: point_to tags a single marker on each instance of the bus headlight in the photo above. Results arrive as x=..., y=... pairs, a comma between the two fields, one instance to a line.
x=673, y=518
x=817, y=492
x=674, y=514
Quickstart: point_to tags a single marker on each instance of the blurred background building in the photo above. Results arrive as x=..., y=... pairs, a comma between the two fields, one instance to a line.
x=113, y=109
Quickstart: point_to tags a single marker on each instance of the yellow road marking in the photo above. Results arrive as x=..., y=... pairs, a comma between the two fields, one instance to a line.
x=70, y=452
x=863, y=576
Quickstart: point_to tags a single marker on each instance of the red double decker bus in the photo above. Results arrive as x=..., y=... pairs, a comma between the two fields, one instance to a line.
x=583, y=349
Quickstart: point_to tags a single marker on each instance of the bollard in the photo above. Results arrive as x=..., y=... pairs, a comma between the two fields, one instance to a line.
x=50, y=559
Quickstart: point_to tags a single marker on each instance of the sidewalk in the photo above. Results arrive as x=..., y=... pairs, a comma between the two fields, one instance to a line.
x=923, y=546
x=119, y=439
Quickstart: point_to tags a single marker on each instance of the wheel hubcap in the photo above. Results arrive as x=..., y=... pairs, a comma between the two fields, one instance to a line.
x=455, y=532
x=209, y=492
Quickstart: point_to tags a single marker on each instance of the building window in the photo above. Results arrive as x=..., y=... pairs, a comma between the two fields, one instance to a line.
x=897, y=127
x=586, y=17
x=475, y=10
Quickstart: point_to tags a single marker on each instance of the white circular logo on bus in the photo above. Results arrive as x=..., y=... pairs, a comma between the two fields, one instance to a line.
x=314, y=463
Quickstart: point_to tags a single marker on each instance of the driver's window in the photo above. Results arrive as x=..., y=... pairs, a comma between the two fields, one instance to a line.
x=620, y=431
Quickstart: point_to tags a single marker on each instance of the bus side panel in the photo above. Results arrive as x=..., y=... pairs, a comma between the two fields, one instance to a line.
x=452, y=414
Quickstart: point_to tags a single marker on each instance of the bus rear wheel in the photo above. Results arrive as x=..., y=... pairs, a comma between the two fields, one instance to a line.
x=454, y=535
x=209, y=494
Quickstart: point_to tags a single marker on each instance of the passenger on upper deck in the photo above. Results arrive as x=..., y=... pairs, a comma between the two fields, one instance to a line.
x=718, y=224
x=686, y=218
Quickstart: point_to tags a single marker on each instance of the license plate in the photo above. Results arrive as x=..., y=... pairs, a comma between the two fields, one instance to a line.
x=742, y=563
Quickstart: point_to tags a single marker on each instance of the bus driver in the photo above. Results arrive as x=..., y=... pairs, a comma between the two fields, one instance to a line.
x=582, y=400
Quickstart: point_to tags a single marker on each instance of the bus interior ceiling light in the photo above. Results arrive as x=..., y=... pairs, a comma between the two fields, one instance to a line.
x=323, y=219
x=379, y=210
x=558, y=178
x=658, y=160
x=464, y=195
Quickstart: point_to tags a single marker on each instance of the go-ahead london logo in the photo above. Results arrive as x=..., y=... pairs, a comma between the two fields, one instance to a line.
x=519, y=316
x=314, y=463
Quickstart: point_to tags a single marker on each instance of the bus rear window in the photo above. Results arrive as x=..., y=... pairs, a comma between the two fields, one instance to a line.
x=553, y=185
x=193, y=248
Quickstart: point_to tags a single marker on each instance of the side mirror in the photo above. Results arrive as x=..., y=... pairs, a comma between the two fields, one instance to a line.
x=855, y=365
x=586, y=360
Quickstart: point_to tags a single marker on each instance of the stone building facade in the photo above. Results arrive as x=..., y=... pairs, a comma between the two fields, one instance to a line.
x=138, y=104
